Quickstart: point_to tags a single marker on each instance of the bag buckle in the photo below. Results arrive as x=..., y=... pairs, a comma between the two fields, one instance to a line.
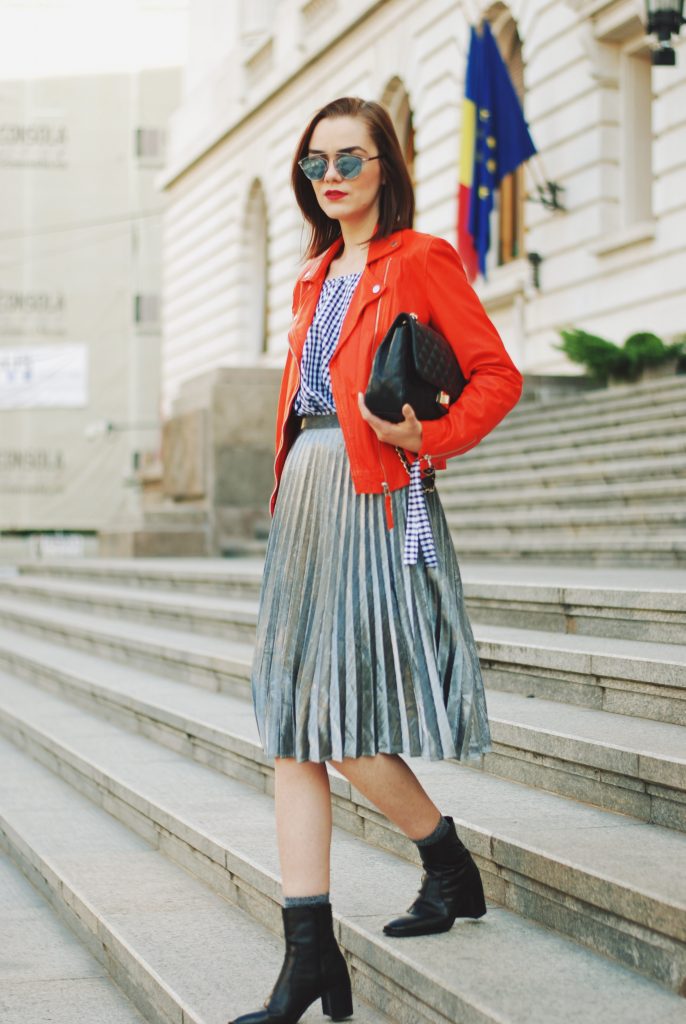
x=428, y=475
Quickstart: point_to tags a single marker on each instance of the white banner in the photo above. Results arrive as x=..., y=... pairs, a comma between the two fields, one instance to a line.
x=44, y=376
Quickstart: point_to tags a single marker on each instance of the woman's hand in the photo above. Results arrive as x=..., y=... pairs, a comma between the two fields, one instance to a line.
x=407, y=434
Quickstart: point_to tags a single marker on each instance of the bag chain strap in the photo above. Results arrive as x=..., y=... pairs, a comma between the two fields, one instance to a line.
x=428, y=474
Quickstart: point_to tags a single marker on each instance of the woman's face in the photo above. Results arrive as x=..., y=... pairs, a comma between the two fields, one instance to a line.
x=348, y=199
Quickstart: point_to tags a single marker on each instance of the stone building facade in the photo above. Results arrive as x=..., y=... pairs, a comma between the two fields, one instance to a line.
x=80, y=287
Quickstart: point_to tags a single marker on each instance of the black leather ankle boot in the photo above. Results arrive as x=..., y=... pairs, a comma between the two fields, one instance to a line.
x=313, y=967
x=451, y=887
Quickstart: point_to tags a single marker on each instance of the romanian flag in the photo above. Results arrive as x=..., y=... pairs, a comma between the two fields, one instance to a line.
x=495, y=140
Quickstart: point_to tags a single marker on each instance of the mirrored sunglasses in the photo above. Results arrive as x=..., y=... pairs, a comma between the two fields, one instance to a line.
x=347, y=164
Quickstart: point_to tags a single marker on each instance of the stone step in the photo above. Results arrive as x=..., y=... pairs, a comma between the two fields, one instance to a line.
x=633, y=903
x=45, y=972
x=598, y=549
x=229, y=617
x=484, y=456
x=660, y=548
x=624, y=603
x=610, y=495
x=621, y=763
x=644, y=679
x=635, y=604
x=192, y=575
x=596, y=418
x=182, y=950
x=665, y=391
x=639, y=678
x=656, y=431
x=460, y=476
x=614, y=761
x=651, y=516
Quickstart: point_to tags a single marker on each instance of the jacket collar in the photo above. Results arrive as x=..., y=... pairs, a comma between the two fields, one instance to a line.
x=317, y=268
x=370, y=289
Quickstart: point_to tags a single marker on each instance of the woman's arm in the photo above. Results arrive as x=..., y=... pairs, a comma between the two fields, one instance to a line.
x=494, y=382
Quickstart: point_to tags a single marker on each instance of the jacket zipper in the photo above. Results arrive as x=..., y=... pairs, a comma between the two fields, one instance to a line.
x=290, y=409
x=388, y=506
x=386, y=489
x=295, y=393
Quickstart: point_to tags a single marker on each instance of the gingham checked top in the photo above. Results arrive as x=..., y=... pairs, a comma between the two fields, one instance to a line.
x=315, y=397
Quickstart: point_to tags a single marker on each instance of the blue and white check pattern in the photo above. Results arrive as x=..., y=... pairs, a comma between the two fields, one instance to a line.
x=315, y=397
x=315, y=394
x=418, y=529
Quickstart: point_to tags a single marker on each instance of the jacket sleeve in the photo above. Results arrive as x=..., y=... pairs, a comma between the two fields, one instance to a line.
x=494, y=382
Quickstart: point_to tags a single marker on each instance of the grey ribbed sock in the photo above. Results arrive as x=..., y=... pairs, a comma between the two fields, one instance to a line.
x=441, y=829
x=303, y=901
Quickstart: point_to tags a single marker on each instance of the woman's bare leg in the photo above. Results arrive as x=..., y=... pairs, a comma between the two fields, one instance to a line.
x=391, y=785
x=303, y=825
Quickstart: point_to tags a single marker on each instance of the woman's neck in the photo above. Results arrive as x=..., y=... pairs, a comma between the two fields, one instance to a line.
x=348, y=261
x=356, y=233
x=356, y=236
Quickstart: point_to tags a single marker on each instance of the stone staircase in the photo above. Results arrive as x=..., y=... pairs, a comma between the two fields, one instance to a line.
x=134, y=794
x=46, y=974
x=597, y=477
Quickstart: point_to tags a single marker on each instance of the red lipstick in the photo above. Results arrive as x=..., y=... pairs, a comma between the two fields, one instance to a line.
x=334, y=194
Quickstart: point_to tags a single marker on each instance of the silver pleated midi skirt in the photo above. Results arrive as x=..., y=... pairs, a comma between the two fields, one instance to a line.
x=357, y=653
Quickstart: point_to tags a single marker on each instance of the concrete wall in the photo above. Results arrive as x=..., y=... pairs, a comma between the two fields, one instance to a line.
x=81, y=237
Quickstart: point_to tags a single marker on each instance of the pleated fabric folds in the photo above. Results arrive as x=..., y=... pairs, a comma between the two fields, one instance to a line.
x=357, y=653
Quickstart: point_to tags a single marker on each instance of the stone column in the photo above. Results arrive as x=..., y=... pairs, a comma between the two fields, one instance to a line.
x=218, y=454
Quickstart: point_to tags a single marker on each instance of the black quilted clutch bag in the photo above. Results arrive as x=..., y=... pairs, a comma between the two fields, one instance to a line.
x=413, y=364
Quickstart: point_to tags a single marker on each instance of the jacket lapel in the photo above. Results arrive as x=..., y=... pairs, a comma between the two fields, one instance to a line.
x=372, y=284
x=370, y=288
x=312, y=280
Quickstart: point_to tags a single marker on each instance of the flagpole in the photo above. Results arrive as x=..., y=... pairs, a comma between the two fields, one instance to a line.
x=535, y=168
x=547, y=192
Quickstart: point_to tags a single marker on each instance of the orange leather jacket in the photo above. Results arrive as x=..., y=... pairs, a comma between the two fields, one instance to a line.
x=410, y=272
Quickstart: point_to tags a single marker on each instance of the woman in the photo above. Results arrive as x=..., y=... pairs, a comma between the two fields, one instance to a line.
x=364, y=649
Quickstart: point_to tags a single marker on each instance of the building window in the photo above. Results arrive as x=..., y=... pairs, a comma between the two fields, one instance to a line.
x=620, y=61
x=397, y=101
x=149, y=142
x=507, y=227
x=146, y=309
x=256, y=279
x=636, y=135
x=256, y=19
x=510, y=216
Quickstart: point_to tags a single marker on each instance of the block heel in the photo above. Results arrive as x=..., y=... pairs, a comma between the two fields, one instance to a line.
x=337, y=1003
x=471, y=901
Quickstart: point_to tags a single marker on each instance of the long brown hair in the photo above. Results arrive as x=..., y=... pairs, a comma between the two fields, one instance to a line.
x=396, y=199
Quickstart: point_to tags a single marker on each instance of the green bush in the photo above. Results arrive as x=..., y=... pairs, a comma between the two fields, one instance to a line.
x=604, y=359
x=600, y=356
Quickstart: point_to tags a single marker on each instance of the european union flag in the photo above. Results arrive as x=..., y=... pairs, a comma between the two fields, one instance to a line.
x=501, y=138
